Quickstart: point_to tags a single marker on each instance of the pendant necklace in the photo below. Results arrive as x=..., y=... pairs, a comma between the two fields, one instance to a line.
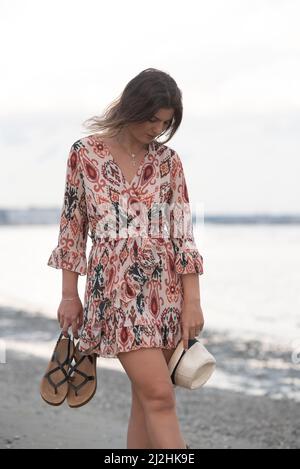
x=133, y=155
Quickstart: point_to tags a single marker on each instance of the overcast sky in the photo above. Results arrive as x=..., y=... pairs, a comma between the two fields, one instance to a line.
x=236, y=62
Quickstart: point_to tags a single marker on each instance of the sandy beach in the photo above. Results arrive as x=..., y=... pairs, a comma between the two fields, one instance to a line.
x=210, y=418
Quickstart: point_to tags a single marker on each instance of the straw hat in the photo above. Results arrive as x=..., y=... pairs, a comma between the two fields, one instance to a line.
x=193, y=367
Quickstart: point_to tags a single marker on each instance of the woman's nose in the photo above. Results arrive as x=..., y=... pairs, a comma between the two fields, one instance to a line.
x=158, y=130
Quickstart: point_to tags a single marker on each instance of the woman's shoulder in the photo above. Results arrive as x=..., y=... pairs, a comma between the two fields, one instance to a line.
x=172, y=155
x=88, y=141
x=165, y=150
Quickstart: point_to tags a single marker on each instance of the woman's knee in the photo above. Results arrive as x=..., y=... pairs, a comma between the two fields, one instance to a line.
x=148, y=372
x=157, y=395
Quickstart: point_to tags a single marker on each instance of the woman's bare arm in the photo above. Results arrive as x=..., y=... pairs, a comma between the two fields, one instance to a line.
x=191, y=287
x=70, y=310
x=69, y=283
x=192, y=319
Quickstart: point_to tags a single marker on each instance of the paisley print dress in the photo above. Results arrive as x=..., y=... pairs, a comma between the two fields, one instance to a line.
x=142, y=244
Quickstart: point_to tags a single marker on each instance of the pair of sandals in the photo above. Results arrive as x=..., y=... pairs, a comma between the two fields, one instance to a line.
x=77, y=382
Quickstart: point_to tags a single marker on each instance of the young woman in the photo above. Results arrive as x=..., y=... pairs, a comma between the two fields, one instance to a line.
x=142, y=289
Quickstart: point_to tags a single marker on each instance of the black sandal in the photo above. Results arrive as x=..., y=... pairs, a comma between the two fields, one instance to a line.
x=54, y=384
x=81, y=391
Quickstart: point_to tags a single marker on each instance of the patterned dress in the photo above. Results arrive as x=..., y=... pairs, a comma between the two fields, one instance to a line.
x=134, y=292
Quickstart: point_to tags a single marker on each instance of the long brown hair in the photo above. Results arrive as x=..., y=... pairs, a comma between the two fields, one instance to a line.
x=142, y=97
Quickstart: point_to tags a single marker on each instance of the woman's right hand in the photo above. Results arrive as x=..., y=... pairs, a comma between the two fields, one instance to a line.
x=70, y=314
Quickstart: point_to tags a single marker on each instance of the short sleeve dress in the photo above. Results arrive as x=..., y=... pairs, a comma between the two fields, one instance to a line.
x=133, y=292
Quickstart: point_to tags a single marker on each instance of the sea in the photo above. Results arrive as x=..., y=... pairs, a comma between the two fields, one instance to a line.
x=250, y=297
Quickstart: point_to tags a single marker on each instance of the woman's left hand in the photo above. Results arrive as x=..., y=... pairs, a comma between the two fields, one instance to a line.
x=192, y=320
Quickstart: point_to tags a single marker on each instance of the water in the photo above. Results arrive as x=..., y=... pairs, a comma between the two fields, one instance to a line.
x=249, y=295
x=250, y=284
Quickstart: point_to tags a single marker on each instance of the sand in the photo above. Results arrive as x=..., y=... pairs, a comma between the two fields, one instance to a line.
x=210, y=418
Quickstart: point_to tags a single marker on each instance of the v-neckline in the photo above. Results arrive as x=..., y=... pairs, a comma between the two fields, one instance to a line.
x=125, y=181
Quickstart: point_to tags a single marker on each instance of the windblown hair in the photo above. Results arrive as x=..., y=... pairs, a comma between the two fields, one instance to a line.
x=142, y=97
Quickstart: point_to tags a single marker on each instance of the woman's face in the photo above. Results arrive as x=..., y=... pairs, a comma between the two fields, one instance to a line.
x=150, y=129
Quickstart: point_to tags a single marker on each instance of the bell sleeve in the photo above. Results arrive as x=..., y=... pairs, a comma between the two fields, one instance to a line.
x=70, y=252
x=187, y=257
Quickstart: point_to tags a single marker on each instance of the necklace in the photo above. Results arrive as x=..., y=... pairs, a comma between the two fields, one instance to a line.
x=133, y=155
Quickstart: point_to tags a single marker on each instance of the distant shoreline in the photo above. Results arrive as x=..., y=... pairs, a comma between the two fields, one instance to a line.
x=51, y=216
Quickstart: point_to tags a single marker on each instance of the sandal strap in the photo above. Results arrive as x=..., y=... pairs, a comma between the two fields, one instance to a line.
x=74, y=369
x=60, y=366
x=77, y=387
x=55, y=385
x=78, y=362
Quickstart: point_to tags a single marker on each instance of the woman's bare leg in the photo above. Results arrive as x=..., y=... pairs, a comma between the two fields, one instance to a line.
x=147, y=369
x=137, y=434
